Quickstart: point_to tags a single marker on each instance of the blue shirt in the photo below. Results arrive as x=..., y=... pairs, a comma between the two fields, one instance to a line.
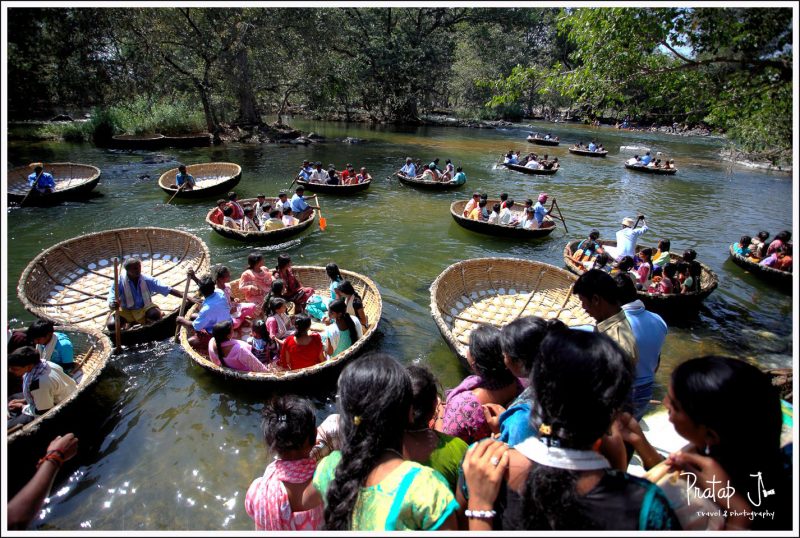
x=514, y=422
x=539, y=212
x=45, y=182
x=592, y=147
x=215, y=309
x=305, y=173
x=298, y=204
x=180, y=179
x=460, y=178
x=646, y=159
x=63, y=353
x=650, y=332
x=153, y=286
x=409, y=170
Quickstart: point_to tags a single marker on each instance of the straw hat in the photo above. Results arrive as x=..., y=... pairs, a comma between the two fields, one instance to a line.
x=627, y=221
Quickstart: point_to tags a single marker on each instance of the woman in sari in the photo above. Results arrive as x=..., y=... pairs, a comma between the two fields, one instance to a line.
x=256, y=281
x=293, y=289
x=224, y=350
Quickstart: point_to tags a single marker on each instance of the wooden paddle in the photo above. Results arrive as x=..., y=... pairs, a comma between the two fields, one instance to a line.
x=176, y=192
x=182, y=311
x=323, y=222
x=554, y=204
x=117, y=329
x=33, y=187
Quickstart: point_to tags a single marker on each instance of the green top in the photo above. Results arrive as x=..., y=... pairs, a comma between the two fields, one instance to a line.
x=447, y=457
x=460, y=178
x=410, y=497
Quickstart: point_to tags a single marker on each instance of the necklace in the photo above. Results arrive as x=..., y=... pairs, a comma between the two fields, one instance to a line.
x=396, y=452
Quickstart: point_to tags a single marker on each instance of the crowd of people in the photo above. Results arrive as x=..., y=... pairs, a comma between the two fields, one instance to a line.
x=313, y=173
x=547, y=136
x=655, y=272
x=502, y=213
x=263, y=215
x=538, y=437
x=431, y=172
x=531, y=160
x=593, y=146
x=776, y=254
x=647, y=161
x=251, y=330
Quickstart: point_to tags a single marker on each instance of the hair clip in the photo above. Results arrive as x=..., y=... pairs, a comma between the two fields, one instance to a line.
x=356, y=420
x=545, y=429
x=281, y=418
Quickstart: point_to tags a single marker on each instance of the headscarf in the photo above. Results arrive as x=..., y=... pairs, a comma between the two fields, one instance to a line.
x=542, y=197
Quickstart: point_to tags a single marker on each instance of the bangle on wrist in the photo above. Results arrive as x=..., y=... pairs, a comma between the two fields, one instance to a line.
x=56, y=456
x=480, y=514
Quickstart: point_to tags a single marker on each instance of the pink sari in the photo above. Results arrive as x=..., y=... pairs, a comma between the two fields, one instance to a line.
x=255, y=285
x=267, y=502
x=239, y=356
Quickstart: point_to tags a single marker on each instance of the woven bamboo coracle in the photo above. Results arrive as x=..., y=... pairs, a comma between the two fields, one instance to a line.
x=260, y=236
x=209, y=178
x=92, y=350
x=497, y=291
x=68, y=177
x=69, y=282
x=317, y=278
x=782, y=279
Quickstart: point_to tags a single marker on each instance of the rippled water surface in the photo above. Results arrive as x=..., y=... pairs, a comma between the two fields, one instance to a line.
x=166, y=446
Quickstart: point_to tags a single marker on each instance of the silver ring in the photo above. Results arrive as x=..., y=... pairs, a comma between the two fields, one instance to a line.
x=495, y=461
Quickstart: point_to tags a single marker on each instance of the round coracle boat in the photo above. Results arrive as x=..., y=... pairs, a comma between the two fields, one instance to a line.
x=69, y=282
x=496, y=291
x=652, y=169
x=428, y=185
x=343, y=190
x=317, y=278
x=73, y=182
x=144, y=141
x=587, y=152
x=534, y=171
x=502, y=230
x=260, y=236
x=780, y=278
x=656, y=302
x=92, y=350
x=210, y=178
x=542, y=141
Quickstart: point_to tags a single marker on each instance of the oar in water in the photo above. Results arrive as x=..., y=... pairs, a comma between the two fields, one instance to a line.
x=183, y=307
x=117, y=329
x=554, y=204
x=33, y=187
x=176, y=192
x=323, y=222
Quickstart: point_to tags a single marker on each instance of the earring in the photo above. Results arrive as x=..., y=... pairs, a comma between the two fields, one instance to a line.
x=707, y=450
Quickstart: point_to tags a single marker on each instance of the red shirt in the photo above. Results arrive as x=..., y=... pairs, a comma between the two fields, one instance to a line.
x=295, y=356
x=216, y=216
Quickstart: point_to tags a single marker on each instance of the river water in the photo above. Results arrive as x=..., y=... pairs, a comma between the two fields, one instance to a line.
x=166, y=446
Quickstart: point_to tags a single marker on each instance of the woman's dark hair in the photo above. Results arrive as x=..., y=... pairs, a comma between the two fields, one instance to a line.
x=487, y=354
x=496, y=208
x=287, y=210
x=218, y=271
x=374, y=399
x=424, y=390
x=510, y=203
x=784, y=236
x=275, y=291
x=260, y=329
x=23, y=356
x=763, y=235
x=302, y=323
x=626, y=264
x=482, y=202
x=220, y=332
x=722, y=394
x=275, y=213
x=288, y=422
x=602, y=260
x=346, y=287
x=596, y=282
x=664, y=245
x=283, y=261
x=580, y=380
x=521, y=338
x=745, y=240
x=340, y=307
x=670, y=269
x=333, y=272
x=689, y=255
x=647, y=251
x=254, y=258
x=594, y=235
x=228, y=211
x=626, y=289
x=39, y=328
x=504, y=196
x=274, y=304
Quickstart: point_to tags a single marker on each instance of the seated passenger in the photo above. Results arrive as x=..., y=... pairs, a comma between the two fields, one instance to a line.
x=43, y=182
x=742, y=248
x=344, y=330
x=302, y=349
x=781, y=259
x=52, y=346
x=495, y=216
x=224, y=350
x=227, y=219
x=44, y=385
x=363, y=176
x=248, y=222
x=532, y=163
x=528, y=220
x=274, y=221
x=507, y=217
x=182, y=177
x=288, y=218
x=480, y=213
x=214, y=309
x=217, y=215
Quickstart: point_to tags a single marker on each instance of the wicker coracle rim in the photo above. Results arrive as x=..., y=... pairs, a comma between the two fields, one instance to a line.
x=261, y=233
x=304, y=372
x=305, y=184
x=457, y=209
x=99, y=343
x=153, y=136
x=707, y=284
x=77, y=166
x=92, y=237
x=542, y=268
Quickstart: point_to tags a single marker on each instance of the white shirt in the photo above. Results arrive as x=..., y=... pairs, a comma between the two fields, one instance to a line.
x=493, y=218
x=318, y=176
x=279, y=205
x=505, y=216
x=532, y=164
x=626, y=241
x=289, y=220
x=53, y=389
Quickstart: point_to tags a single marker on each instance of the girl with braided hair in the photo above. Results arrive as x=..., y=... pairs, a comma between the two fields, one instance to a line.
x=368, y=485
x=557, y=480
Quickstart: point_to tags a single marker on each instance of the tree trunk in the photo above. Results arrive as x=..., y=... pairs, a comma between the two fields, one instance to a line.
x=248, y=113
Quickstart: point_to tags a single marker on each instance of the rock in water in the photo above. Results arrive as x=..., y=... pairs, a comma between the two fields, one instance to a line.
x=158, y=158
x=62, y=117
